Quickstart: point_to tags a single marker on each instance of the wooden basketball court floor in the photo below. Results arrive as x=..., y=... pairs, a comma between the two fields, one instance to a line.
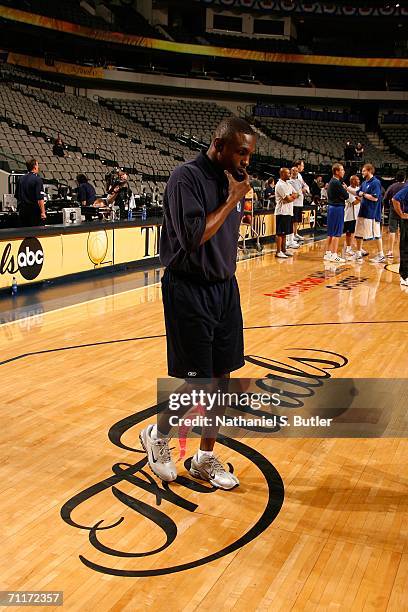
x=317, y=524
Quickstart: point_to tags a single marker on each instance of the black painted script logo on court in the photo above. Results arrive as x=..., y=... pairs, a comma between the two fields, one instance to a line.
x=138, y=526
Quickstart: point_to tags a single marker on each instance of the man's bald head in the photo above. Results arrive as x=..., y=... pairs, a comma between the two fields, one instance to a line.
x=284, y=174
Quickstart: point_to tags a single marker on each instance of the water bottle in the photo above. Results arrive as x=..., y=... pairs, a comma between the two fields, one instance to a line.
x=144, y=212
x=14, y=286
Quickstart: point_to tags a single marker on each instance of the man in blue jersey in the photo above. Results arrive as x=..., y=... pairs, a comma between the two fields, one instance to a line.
x=368, y=226
x=400, y=203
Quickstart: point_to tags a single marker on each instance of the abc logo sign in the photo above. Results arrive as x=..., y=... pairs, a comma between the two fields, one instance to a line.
x=30, y=258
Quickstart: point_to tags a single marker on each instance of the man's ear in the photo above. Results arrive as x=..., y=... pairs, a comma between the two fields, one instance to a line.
x=218, y=144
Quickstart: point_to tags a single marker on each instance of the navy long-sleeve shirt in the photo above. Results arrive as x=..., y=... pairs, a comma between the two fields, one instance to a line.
x=336, y=194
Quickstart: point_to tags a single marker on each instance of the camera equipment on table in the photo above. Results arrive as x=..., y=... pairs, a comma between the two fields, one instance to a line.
x=9, y=203
x=71, y=215
x=64, y=191
x=100, y=213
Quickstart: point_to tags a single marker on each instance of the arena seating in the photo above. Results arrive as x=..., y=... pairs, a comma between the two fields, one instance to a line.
x=291, y=112
x=15, y=74
x=190, y=119
x=151, y=136
x=325, y=139
x=173, y=118
x=95, y=135
x=396, y=136
x=398, y=117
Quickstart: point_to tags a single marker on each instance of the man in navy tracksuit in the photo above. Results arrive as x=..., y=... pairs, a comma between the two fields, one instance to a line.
x=198, y=247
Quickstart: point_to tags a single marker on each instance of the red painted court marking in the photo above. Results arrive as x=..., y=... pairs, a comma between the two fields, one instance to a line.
x=305, y=284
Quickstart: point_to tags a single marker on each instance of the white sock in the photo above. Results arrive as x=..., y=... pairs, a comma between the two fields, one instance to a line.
x=201, y=453
x=328, y=252
x=381, y=254
x=289, y=238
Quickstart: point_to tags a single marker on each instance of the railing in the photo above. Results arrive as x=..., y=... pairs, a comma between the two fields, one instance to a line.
x=111, y=154
x=7, y=116
x=13, y=156
x=59, y=132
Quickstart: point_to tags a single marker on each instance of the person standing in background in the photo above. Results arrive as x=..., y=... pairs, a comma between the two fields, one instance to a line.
x=368, y=225
x=359, y=151
x=400, y=204
x=269, y=192
x=86, y=192
x=337, y=195
x=298, y=204
x=394, y=220
x=285, y=195
x=351, y=213
x=316, y=188
x=30, y=196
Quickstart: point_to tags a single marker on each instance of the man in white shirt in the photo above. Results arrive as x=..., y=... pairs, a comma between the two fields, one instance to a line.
x=298, y=204
x=285, y=195
x=297, y=184
x=351, y=213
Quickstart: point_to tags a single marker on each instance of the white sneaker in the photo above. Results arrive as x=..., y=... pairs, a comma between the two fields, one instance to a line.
x=327, y=256
x=281, y=255
x=364, y=253
x=292, y=245
x=378, y=259
x=404, y=282
x=158, y=455
x=299, y=237
x=350, y=252
x=336, y=259
x=211, y=469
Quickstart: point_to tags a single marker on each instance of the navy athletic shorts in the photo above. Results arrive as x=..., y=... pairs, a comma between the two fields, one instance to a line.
x=335, y=220
x=350, y=227
x=204, y=327
x=284, y=225
x=394, y=220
